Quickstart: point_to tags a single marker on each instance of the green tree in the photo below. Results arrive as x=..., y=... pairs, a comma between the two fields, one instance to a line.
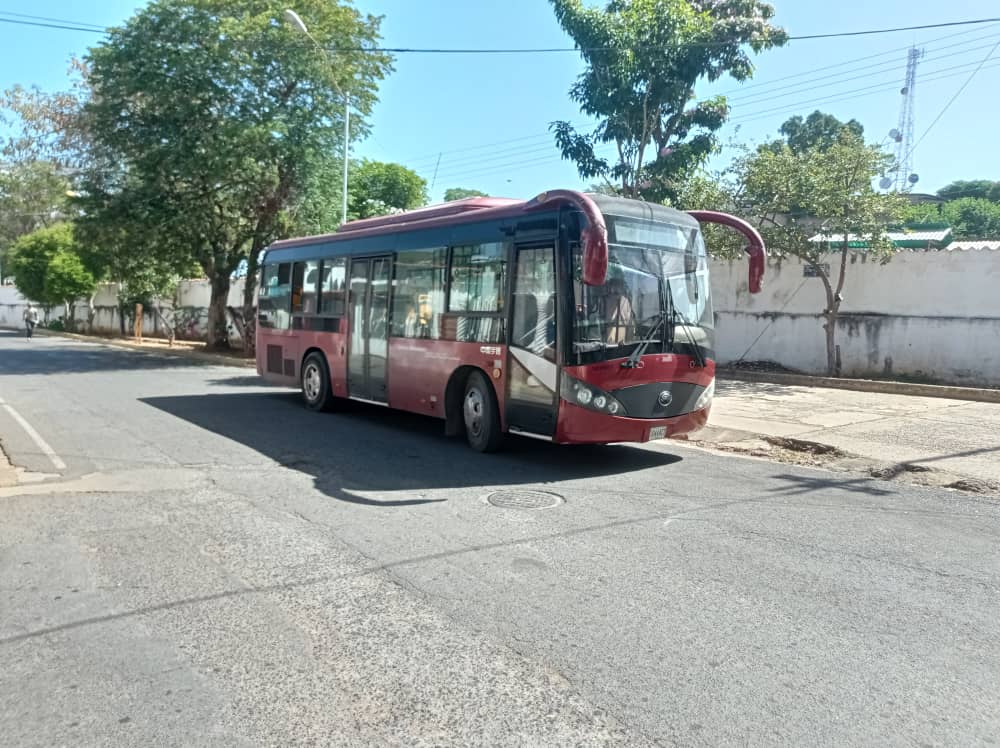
x=46, y=126
x=460, y=193
x=68, y=280
x=48, y=268
x=32, y=196
x=210, y=119
x=714, y=191
x=643, y=60
x=792, y=196
x=970, y=218
x=973, y=218
x=818, y=130
x=376, y=188
x=981, y=188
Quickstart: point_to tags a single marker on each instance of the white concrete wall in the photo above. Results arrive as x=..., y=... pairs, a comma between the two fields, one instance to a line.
x=929, y=315
x=188, y=310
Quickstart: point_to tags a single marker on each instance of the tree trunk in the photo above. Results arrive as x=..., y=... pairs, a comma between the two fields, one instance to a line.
x=217, y=335
x=830, y=328
x=250, y=299
x=91, y=313
x=71, y=316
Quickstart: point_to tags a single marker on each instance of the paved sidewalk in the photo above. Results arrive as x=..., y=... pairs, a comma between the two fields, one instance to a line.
x=955, y=436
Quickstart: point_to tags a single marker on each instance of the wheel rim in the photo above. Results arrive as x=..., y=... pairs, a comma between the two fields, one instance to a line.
x=311, y=382
x=474, y=407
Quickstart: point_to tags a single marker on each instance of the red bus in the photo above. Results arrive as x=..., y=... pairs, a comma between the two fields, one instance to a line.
x=573, y=318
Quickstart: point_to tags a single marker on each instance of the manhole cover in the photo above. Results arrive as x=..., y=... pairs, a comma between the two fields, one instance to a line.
x=524, y=499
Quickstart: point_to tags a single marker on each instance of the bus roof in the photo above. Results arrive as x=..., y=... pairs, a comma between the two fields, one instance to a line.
x=478, y=209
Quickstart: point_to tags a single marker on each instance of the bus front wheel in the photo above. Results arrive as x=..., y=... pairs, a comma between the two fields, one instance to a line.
x=481, y=414
x=316, y=382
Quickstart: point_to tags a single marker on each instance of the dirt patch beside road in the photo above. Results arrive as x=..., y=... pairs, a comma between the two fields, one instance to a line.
x=815, y=454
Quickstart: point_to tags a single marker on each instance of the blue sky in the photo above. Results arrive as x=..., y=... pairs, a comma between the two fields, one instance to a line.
x=487, y=116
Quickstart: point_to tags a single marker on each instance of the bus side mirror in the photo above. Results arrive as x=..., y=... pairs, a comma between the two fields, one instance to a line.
x=758, y=260
x=756, y=250
x=594, y=239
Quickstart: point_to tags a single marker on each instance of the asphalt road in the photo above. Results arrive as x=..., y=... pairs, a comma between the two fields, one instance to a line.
x=214, y=565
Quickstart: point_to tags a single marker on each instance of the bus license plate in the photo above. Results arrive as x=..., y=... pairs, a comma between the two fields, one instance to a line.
x=658, y=432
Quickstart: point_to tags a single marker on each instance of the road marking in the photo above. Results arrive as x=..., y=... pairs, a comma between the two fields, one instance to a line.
x=43, y=445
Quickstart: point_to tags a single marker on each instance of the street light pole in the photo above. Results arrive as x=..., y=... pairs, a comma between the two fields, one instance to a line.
x=299, y=25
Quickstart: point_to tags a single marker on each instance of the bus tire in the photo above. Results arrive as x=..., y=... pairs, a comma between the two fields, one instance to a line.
x=481, y=414
x=315, y=381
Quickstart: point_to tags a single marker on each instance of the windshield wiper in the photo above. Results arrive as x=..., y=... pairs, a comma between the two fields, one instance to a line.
x=698, y=356
x=632, y=361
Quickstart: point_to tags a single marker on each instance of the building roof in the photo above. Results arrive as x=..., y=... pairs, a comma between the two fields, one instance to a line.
x=992, y=245
x=923, y=237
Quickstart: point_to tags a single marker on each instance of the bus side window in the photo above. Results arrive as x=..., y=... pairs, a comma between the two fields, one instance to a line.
x=418, y=300
x=309, y=286
x=275, y=292
x=332, y=297
x=298, y=275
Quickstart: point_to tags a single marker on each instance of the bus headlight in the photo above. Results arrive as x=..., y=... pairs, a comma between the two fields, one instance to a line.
x=705, y=398
x=587, y=396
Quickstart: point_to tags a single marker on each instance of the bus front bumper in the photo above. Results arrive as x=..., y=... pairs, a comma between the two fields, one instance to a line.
x=578, y=425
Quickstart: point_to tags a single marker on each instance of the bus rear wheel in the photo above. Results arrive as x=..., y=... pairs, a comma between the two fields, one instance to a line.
x=481, y=414
x=316, y=392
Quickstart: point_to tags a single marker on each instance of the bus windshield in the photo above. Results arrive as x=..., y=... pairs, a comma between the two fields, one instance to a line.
x=657, y=292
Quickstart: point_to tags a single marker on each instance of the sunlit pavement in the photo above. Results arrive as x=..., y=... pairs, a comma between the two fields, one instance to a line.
x=213, y=564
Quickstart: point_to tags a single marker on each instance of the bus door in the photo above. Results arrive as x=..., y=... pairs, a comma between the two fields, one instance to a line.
x=368, y=347
x=532, y=372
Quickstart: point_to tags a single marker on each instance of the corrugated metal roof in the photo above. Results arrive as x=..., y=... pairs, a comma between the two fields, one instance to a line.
x=902, y=239
x=992, y=245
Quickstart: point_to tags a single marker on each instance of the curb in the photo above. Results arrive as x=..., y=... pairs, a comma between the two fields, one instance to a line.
x=208, y=358
x=974, y=394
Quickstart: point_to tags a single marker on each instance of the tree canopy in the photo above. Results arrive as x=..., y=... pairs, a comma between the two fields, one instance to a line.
x=211, y=118
x=818, y=130
x=32, y=195
x=460, y=193
x=970, y=218
x=981, y=188
x=643, y=59
x=376, y=188
x=795, y=195
x=48, y=267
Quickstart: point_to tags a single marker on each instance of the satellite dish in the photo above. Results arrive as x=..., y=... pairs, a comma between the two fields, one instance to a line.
x=884, y=183
x=904, y=90
x=913, y=178
x=894, y=134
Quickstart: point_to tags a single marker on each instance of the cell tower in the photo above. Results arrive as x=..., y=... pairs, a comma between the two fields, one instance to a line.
x=905, y=177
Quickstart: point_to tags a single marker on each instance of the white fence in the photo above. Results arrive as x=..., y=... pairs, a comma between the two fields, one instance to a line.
x=187, y=312
x=931, y=315
x=926, y=315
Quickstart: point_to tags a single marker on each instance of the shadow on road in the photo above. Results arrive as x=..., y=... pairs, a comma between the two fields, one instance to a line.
x=806, y=484
x=363, y=449
x=38, y=356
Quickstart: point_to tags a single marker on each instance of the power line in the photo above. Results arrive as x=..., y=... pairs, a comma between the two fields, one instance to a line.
x=851, y=61
x=453, y=167
x=94, y=26
x=78, y=26
x=653, y=48
x=894, y=81
x=456, y=175
x=546, y=136
x=953, y=98
x=834, y=98
x=65, y=26
x=881, y=67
